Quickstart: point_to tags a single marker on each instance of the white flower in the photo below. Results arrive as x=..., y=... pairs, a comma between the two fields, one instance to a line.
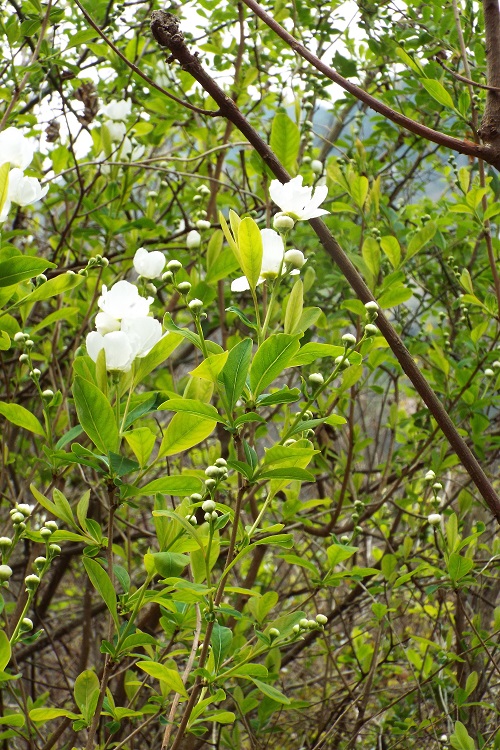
x=15, y=148
x=272, y=260
x=149, y=265
x=116, y=129
x=123, y=301
x=434, y=519
x=117, y=110
x=117, y=348
x=297, y=200
x=142, y=333
x=24, y=190
x=5, y=210
x=106, y=323
x=132, y=149
x=193, y=239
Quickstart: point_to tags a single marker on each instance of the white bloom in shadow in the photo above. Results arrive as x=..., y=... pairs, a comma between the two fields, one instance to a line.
x=143, y=334
x=117, y=348
x=297, y=200
x=149, y=264
x=15, y=148
x=24, y=190
x=117, y=110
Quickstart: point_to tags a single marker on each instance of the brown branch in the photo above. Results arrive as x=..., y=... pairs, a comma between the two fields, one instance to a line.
x=490, y=124
x=489, y=151
x=165, y=29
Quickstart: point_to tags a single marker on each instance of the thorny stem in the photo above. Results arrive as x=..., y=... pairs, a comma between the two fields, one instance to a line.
x=165, y=29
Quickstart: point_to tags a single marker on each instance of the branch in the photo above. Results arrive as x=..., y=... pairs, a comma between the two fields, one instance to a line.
x=490, y=151
x=490, y=124
x=166, y=31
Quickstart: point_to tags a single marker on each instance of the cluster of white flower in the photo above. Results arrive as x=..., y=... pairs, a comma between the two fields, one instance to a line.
x=117, y=113
x=296, y=202
x=125, y=330
x=18, y=151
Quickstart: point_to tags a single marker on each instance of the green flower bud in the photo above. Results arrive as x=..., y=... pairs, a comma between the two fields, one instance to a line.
x=5, y=572
x=208, y=506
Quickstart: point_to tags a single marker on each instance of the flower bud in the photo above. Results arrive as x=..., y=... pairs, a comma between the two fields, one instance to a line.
x=296, y=629
x=52, y=525
x=5, y=543
x=212, y=471
x=25, y=509
x=371, y=329
x=48, y=394
x=489, y=372
x=437, y=486
x=31, y=582
x=26, y=624
x=168, y=277
x=220, y=462
x=41, y=278
x=289, y=442
x=321, y=619
x=430, y=475
x=45, y=533
x=195, y=304
x=54, y=549
x=282, y=222
x=39, y=562
x=208, y=506
x=371, y=306
x=184, y=287
x=316, y=378
x=208, y=517
x=348, y=338
x=345, y=539
x=196, y=497
x=317, y=166
x=210, y=483
x=29, y=344
x=434, y=519
x=294, y=258
x=192, y=520
x=17, y=517
x=193, y=239
x=274, y=633
x=5, y=573
x=23, y=358
x=303, y=623
x=202, y=224
x=214, y=515
x=19, y=337
x=35, y=373
x=312, y=624
x=174, y=265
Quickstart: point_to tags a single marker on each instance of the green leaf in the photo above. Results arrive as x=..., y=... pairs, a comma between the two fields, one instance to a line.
x=170, y=564
x=409, y=61
x=234, y=373
x=21, y=417
x=392, y=249
x=438, y=92
x=22, y=267
x=221, y=643
x=86, y=693
x=395, y=295
x=4, y=341
x=459, y=566
x=12, y=720
x=272, y=357
x=176, y=485
x=4, y=183
x=337, y=553
x=170, y=677
x=191, y=406
x=102, y=582
x=294, y=308
x=421, y=238
x=312, y=351
x=141, y=442
x=59, y=284
x=371, y=255
x=47, y=714
x=271, y=692
x=96, y=415
x=160, y=352
x=5, y=650
x=285, y=140
x=460, y=739
x=183, y=432
x=63, y=508
x=250, y=247
x=210, y=368
x=169, y=325
x=359, y=190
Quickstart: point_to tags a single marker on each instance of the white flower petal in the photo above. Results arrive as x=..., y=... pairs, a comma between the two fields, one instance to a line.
x=117, y=110
x=240, y=285
x=117, y=349
x=15, y=148
x=24, y=190
x=123, y=301
x=142, y=333
x=272, y=252
x=297, y=200
x=149, y=264
x=105, y=323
